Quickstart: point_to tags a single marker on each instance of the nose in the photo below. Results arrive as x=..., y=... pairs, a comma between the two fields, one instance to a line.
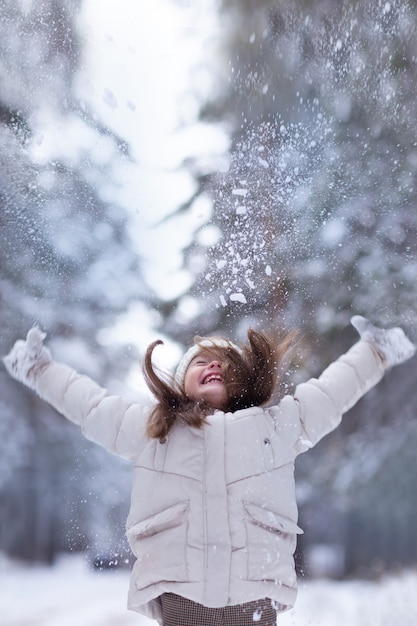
x=215, y=364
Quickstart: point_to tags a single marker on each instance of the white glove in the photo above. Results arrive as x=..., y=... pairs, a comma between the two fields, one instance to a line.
x=393, y=345
x=26, y=358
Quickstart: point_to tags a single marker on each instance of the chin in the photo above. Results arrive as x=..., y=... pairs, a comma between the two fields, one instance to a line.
x=214, y=403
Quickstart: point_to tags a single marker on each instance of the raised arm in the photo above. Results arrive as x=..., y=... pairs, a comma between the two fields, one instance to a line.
x=318, y=404
x=108, y=420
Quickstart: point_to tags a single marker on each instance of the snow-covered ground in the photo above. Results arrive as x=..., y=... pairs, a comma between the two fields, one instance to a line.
x=70, y=594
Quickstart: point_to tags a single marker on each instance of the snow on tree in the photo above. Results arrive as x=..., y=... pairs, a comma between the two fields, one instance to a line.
x=68, y=264
x=315, y=216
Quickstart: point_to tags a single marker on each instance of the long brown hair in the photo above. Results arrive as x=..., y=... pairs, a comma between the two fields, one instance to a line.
x=251, y=377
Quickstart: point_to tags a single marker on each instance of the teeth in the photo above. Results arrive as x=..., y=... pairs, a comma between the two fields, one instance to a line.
x=211, y=379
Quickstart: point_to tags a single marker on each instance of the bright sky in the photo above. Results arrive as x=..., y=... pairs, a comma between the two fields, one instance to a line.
x=139, y=61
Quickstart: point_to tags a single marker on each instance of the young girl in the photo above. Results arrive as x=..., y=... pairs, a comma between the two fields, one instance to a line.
x=213, y=517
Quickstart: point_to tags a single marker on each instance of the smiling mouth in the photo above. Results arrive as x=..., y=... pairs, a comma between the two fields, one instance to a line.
x=212, y=378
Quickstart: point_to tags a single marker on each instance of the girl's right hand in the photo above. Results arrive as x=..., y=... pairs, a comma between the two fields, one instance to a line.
x=27, y=357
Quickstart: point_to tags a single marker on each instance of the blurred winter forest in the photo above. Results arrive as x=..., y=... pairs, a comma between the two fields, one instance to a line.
x=301, y=213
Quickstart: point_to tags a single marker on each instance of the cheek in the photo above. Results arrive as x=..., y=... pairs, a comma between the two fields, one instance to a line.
x=190, y=383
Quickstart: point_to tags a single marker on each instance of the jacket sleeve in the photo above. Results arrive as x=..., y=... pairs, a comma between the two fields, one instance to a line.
x=317, y=406
x=108, y=420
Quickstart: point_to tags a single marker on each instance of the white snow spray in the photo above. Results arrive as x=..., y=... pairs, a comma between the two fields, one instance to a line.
x=259, y=202
x=319, y=193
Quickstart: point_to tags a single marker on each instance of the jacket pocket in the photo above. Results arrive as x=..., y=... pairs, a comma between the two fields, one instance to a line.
x=159, y=543
x=271, y=541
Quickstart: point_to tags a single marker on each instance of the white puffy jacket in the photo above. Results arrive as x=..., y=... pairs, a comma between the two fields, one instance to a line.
x=213, y=513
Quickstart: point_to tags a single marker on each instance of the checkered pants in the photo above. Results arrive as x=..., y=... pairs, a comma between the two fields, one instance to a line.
x=179, y=611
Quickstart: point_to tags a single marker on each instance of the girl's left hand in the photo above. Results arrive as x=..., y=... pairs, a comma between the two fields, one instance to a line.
x=393, y=344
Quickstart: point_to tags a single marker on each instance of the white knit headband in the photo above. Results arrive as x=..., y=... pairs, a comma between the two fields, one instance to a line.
x=215, y=342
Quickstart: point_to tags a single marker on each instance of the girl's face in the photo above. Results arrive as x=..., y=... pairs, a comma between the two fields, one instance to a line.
x=204, y=381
